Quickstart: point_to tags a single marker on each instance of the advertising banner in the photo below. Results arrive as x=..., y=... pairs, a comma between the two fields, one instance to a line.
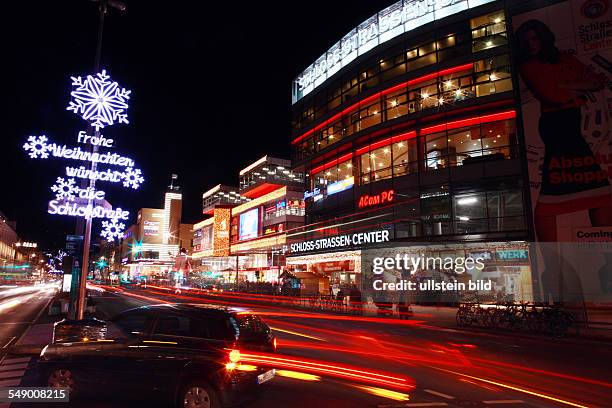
x=563, y=55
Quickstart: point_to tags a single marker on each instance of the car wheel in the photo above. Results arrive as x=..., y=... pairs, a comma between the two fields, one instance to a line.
x=198, y=394
x=62, y=378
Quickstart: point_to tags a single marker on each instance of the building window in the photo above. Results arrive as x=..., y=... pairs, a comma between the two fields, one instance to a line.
x=489, y=141
x=488, y=76
x=499, y=208
x=396, y=159
x=332, y=174
x=488, y=31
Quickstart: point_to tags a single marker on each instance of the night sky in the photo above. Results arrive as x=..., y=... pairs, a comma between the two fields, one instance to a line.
x=211, y=92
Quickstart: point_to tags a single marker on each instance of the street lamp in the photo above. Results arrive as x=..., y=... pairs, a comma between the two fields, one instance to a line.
x=80, y=304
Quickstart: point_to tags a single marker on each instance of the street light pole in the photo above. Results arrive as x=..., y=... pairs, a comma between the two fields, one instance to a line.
x=80, y=306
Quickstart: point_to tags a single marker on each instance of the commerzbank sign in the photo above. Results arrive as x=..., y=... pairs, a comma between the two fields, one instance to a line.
x=399, y=18
x=341, y=241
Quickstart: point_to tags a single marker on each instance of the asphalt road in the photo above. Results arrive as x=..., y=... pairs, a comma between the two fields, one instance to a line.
x=19, y=307
x=449, y=367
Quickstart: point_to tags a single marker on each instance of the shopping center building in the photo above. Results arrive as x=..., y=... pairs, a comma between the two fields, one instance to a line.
x=150, y=246
x=407, y=126
x=244, y=235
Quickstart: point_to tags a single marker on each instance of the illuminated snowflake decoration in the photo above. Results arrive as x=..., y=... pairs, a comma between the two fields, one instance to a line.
x=37, y=146
x=132, y=178
x=99, y=100
x=112, y=229
x=64, y=189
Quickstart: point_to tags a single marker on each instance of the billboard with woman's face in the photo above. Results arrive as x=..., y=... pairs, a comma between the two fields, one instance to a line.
x=563, y=55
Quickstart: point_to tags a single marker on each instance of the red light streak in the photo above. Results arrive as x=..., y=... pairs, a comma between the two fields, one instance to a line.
x=334, y=370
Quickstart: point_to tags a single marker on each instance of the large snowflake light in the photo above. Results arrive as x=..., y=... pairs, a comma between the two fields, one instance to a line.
x=112, y=229
x=37, y=146
x=65, y=189
x=132, y=178
x=99, y=100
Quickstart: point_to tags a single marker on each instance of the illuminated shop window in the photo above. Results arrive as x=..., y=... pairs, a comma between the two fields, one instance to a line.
x=396, y=160
x=493, y=75
x=456, y=147
x=283, y=208
x=331, y=175
x=490, y=210
x=396, y=104
x=436, y=210
x=488, y=31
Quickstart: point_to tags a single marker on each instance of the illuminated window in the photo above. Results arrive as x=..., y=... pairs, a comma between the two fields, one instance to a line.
x=488, y=31
x=338, y=172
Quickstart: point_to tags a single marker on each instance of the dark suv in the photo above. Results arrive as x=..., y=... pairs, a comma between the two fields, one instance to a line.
x=185, y=353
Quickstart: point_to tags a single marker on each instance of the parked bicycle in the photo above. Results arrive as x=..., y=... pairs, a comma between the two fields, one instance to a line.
x=531, y=317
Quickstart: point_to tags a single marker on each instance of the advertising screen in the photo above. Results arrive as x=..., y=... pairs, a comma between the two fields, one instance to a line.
x=249, y=223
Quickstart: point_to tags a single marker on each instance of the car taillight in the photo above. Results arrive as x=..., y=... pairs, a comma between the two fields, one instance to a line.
x=234, y=360
x=234, y=356
x=274, y=343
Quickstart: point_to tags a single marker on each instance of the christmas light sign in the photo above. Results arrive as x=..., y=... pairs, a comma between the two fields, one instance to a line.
x=101, y=102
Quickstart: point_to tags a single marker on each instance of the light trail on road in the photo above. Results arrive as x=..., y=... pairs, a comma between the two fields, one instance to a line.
x=325, y=368
x=296, y=333
x=374, y=346
x=381, y=392
x=515, y=388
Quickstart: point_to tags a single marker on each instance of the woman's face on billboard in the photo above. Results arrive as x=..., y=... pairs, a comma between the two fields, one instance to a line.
x=533, y=43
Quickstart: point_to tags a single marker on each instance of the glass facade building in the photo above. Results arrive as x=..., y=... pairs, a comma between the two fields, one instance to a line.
x=418, y=137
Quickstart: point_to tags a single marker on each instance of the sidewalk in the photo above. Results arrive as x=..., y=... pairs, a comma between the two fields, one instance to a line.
x=444, y=317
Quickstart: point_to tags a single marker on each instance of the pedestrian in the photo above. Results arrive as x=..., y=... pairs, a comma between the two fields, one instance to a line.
x=340, y=298
x=355, y=299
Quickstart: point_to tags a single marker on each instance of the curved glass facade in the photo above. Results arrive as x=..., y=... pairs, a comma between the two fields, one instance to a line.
x=429, y=120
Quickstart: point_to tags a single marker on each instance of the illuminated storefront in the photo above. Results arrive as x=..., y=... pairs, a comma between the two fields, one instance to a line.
x=243, y=239
x=150, y=246
x=259, y=232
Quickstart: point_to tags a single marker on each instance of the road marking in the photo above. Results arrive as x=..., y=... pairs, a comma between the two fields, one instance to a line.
x=16, y=360
x=15, y=322
x=9, y=367
x=11, y=374
x=515, y=388
x=504, y=402
x=8, y=343
x=478, y=384
x=10, y=383
x=439, y=394
x=297, y=334
x=415, y=404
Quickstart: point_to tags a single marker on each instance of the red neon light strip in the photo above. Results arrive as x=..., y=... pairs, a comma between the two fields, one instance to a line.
x=495, y=117
x=468, y=122
x=385, y=142
x=387, y=91
x=331, y=163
